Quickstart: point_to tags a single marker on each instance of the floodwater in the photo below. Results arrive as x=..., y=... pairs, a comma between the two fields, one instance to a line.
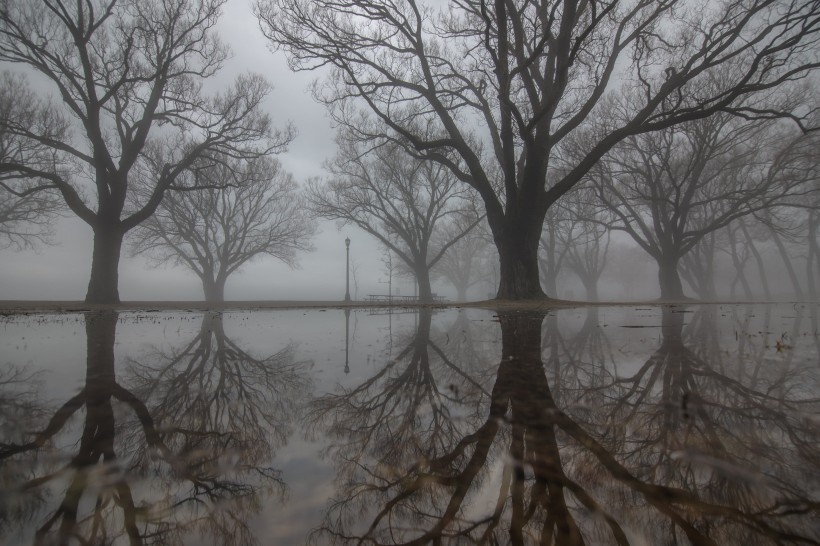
x=617, y=425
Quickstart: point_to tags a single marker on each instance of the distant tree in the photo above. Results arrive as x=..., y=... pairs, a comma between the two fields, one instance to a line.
x=501, y=85
x=551, y=252
x=786, y=229
x=752, y=233
x=584, y=237
x=697, y=267
x=28, y=203
x=575, y=239
x=403, y=202
x=214, y=231
x=671, y=189
x=460, y=264
x=129, y=80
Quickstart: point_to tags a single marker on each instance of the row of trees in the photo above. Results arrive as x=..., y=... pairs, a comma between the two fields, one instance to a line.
x=683, y=194
x=132, y=145
x=446, y=116
x=521, y=99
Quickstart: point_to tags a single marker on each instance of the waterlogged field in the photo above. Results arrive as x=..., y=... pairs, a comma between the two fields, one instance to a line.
x=621, y=425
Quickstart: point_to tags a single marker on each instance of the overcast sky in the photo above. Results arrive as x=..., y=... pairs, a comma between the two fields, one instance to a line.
x=62, y=271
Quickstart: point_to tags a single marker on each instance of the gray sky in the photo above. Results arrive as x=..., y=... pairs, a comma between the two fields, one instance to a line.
x=62, y=271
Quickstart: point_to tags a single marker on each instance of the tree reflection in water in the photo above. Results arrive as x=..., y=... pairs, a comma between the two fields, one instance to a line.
x=180, y=451
x=690, y=447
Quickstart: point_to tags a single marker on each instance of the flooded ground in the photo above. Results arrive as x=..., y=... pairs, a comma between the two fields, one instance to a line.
x=622, y=425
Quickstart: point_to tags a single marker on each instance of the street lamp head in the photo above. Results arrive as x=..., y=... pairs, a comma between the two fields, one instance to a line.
x=347, y=242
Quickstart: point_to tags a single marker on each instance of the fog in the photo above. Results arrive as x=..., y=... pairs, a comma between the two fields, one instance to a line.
x=61, y=271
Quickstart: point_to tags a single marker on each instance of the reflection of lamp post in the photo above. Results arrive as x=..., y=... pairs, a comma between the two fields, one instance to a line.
x=347, y=339
x=347, y=270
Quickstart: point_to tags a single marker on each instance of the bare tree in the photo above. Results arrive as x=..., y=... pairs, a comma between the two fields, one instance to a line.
x=697, y=267
x=575, y=238
x=460, y=264
x=585, y=238
x=551, y=252
x=214, y=231
x=403, y=202
x=28, y=204
x=129, y=78
x=670, y=189
x=500, y=85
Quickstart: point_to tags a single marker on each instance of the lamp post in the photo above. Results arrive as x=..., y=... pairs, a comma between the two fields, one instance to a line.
x=347, y=269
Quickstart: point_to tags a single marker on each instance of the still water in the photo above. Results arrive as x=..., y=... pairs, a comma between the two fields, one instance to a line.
x=620, y=425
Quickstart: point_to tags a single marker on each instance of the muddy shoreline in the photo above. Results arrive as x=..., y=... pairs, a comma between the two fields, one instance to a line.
x=10, y=307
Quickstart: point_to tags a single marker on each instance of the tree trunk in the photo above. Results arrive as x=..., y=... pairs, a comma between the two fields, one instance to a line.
x=423, y=280
x=214, y=289
x=518, y=260
x=671, y=286
x=740, y=267
x=787, y=261
x=105, y=262
x=549, y=266
x=591, y=288
x=761, y=268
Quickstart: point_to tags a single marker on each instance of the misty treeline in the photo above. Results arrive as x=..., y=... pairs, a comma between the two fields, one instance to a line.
x=524, y=145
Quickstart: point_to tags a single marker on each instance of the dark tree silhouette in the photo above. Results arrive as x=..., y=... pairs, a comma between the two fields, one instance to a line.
x=214, y=232
x=128, y=79
x=501, y=85
x=405, y=203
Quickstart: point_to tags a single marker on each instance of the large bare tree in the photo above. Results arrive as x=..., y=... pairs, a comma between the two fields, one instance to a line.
x=504, y=83
x=128, y=80
x=215, y=231
x=404, y=202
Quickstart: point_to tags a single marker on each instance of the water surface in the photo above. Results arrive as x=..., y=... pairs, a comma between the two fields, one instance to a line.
x=622, y=425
